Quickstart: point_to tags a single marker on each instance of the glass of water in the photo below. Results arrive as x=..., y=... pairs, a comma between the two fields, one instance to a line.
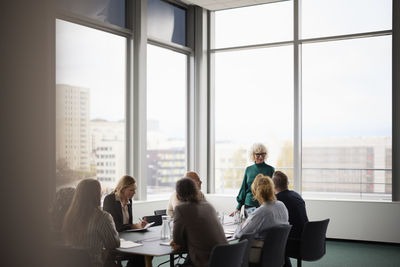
x=221, y=215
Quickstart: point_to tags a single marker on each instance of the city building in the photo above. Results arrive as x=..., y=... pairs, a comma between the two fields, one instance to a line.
x=72, y=131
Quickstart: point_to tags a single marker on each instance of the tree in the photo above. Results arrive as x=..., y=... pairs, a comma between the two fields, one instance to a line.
x=285, y=161
x=233, y=176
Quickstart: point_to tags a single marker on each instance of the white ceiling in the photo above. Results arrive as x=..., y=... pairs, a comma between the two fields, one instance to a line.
x=225, y=4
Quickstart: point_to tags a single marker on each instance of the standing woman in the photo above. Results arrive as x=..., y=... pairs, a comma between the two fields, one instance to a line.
x=258, y=154
x=86, y=225
x=119, y=204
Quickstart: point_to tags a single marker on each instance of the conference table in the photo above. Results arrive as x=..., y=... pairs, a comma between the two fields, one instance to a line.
x=151, y=243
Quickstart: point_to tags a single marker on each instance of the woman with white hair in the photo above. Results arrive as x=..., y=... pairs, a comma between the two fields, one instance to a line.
x=258, y=154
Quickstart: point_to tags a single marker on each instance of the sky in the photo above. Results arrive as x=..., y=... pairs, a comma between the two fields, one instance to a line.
x=96, y=60
x=253, y=88
x=346, y=84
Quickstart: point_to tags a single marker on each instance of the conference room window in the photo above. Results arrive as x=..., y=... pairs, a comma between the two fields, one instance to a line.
x=347, y=118
x=345, y=96
x=322, y=18
x=111, y=12
x=253, y=25
x=166, y=22
x=90, y=105
x=166, y=120
x=253, y=92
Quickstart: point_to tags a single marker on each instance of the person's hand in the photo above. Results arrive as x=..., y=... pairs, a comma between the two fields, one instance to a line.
x=139, y=225
x=174, y=245
x=233, y=213
x=143, y=223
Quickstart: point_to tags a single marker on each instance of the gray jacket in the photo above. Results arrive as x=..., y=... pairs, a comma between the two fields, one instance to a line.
x=197, y=229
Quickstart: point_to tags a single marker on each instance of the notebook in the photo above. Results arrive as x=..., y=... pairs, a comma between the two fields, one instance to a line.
x=140, y=229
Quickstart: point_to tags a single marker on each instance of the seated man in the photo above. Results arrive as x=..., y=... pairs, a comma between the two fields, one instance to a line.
x=173, y=201
x=296, y=208
x=196, y=226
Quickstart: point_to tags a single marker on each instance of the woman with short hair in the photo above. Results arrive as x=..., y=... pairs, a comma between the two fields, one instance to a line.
x=86, y=225
x=258, y=154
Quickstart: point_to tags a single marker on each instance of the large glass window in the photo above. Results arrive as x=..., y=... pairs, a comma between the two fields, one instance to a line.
x=337, y=17
x=253, y=103
x=347, y=122
x=112, y=12
x=254, y=25
x=345, y=95
x=90, y=105
x=166, y=21
x=166, y=120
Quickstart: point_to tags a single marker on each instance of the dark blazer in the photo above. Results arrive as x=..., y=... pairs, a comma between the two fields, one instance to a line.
x=297, y=211
x=197, y=229
x=114, y=207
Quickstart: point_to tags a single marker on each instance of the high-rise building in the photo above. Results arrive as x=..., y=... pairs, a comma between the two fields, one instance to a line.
x=108, y=143
x=72, y=131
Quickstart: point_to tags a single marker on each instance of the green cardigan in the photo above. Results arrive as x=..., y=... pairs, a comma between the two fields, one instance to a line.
x=245, y=197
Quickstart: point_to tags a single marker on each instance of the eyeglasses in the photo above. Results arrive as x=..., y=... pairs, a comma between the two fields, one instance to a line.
x=260, y=154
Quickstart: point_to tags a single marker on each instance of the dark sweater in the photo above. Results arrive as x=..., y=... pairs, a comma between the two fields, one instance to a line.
x=297, y=211
x=114, y=207
x=245, y=197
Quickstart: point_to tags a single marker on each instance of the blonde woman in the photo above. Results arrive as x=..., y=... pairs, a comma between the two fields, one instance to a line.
x=119, y=204
x=86, y=225
x=258, y=154
x=270, y=213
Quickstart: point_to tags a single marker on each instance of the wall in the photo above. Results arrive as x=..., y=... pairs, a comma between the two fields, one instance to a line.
x=27, y=129
x=368, y=221
x=353, y=220
x=143, y=208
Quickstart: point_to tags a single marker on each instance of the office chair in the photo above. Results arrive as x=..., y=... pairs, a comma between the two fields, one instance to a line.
x=66, y=256
x=311, y=246
x=249, y=237
x=273, y=250
x=228, y=254
x=160, y=212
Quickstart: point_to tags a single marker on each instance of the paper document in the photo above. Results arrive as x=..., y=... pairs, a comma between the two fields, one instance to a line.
x=129, y=244
x=140, y=229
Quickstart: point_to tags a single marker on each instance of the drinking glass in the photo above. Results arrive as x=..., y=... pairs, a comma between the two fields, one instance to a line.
x=165, y=228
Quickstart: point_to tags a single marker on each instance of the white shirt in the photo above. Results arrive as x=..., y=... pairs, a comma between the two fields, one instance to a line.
x=174, y=201
x=125, y=212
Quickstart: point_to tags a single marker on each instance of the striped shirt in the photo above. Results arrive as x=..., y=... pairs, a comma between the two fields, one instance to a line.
x=101, y=233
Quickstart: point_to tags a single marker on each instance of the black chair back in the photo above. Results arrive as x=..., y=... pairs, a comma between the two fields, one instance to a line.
x=66, y=256
x=313, y=240
x=228, y=254
x=273, y=251
x=249, y=237
x=157, y=219
x=160, y=212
